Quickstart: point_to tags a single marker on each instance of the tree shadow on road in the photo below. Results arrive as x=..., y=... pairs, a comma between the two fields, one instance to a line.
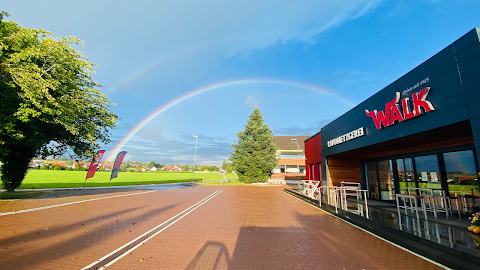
x=68, y=246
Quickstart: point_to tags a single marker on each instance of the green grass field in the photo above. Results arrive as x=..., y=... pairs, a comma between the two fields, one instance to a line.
x=66, y=179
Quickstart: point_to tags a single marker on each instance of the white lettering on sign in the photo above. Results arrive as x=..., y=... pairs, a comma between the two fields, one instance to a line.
x=418, y=84
x=346, y=137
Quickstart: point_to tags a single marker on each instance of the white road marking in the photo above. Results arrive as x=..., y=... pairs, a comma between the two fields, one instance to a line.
x=379, y=237
x=70, y=203
x=184, y=213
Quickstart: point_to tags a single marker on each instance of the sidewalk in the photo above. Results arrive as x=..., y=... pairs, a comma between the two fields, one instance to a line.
x=442, y=240
x=143, y=187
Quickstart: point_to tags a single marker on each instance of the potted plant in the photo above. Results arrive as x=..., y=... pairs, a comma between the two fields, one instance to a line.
x=475, y=220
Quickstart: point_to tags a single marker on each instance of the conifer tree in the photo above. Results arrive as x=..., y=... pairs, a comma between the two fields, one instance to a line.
x=254, y=156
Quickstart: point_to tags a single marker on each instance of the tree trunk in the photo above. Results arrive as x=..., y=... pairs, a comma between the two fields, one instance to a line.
x=15, y=166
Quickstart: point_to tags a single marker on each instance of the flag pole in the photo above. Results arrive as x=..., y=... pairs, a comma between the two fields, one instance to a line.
x=84, y=182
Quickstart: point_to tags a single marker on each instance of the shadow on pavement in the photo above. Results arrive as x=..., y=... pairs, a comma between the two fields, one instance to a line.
x=70, y=246
x=213, y=255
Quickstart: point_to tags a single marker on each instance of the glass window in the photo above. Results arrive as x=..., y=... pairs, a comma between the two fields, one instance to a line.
x=372, y=181
x=428, y=172
x=405, y=174
x=387, y=186
x=461, y=173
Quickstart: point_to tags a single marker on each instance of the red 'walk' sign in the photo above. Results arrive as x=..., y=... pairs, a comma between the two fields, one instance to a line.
x=393, y=112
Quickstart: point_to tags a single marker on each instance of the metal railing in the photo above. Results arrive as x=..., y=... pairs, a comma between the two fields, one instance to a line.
x=336, y=196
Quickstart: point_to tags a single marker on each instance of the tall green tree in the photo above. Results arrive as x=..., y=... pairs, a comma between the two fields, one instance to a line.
x=151, y=164
x=254, y=156
x=48, y=100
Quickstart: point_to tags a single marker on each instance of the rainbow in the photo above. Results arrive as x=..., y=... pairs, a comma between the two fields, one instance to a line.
x=211, y=87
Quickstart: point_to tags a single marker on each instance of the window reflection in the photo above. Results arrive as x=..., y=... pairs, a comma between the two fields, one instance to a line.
x=405, y=174
x=461, y=173
x=386, y=180
x=372, y=180
x=428, y=172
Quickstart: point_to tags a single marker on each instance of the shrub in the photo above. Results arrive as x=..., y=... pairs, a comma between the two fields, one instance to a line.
x=58, y=167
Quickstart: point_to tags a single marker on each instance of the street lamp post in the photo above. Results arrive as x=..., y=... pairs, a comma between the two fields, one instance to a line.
x=195, y=161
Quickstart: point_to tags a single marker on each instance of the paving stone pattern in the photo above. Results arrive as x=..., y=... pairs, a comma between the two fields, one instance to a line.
x=240, y=228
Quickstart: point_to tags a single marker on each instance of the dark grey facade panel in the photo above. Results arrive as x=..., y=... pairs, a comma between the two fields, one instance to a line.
x=446, y=57
x=466, y=40
x=471, y=81
x=475, y=122
x=472, y=95
x=476, y=137
x=443, y=87
x=467, y=54
x=435, y=74
x=453, y=85
x=446, y=92
x=410, y=128
x=470, y=67
x=474, y=109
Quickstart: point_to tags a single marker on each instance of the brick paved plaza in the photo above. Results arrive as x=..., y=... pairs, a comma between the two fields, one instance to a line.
x=238, y=228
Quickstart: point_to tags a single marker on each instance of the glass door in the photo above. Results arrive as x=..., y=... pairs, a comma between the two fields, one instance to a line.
x=428, y=172
x=320, y=178
x=372, y=180
x=386, y=182
x=312, y=172
x=405, y=174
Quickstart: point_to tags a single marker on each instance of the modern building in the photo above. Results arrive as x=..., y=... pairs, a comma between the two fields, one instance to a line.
x=291, y=157
x=422, y=130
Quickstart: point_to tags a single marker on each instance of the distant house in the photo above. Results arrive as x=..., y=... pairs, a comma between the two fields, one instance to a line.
x=35, y=163
x=63, y=164
x=175, y=168
x=291, y=157
x=153, y=169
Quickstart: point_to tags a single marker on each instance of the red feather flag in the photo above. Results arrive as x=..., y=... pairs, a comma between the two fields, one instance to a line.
x=93, y=166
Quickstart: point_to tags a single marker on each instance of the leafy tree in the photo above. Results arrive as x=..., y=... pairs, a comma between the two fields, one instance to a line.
x=254, y=156
x=213, y=168
x=48, y=100
x=185, y=168
x=151, y=164
x=227, y=166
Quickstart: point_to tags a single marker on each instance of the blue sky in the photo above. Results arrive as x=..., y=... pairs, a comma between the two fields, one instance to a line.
x=152, y=52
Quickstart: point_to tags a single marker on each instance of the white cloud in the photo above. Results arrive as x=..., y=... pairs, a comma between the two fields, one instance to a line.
x=193, y=37
x=252, y=102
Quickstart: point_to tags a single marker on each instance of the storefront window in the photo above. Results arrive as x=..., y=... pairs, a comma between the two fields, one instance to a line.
x=428, y=172
x=372, y=181
x=386, y=180
x=461, y=173
x=405, y=174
